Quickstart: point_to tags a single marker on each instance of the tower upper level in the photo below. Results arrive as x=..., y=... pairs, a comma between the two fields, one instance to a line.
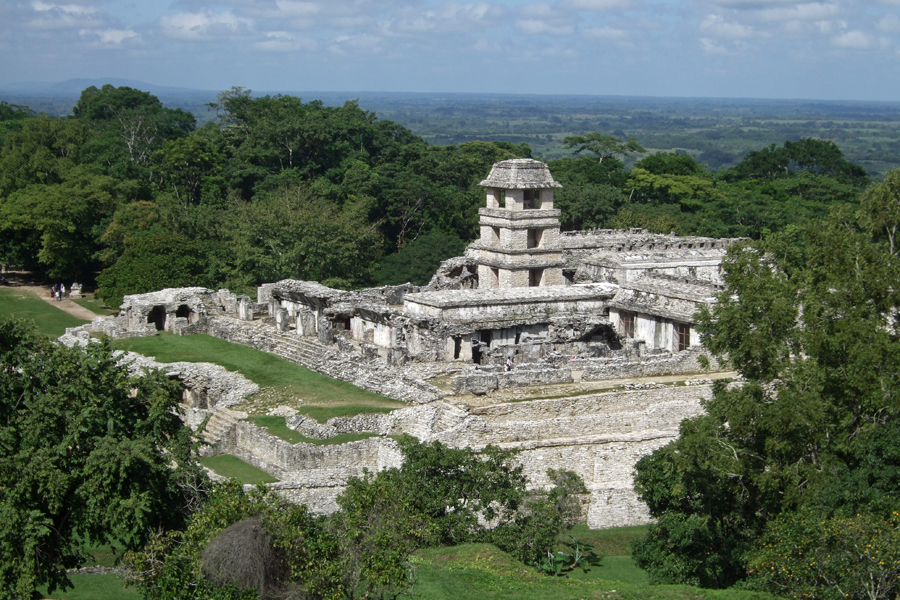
x=520, y=184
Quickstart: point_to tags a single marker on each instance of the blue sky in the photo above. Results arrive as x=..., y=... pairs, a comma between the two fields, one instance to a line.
x=824, y=49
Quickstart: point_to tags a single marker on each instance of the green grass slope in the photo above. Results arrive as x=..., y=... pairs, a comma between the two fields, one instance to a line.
x=50, y=320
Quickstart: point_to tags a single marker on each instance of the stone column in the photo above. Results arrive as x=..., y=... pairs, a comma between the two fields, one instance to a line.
x=282, y=320
x=245, y=308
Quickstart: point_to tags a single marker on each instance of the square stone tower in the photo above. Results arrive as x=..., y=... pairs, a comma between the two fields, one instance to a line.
x=519, y=243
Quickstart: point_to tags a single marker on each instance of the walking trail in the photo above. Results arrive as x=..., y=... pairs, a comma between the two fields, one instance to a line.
x=65, y=304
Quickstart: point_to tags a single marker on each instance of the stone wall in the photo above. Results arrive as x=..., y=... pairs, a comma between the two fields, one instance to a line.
x=600, y=437
x=312, y=474
x=686, y=362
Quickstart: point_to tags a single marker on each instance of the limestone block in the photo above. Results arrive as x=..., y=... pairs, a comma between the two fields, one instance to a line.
x=478, y=384
x=245, y=308
x=282, y=320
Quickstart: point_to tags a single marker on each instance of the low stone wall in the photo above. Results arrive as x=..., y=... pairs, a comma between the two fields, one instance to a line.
x=312, y=474
x=684, y=363
x=481, y=382
x=206, y=385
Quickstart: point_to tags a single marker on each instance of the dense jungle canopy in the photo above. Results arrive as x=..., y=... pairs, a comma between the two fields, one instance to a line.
x=133, y=196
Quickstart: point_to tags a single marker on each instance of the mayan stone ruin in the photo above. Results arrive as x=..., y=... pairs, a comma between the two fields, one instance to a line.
x=594, y=310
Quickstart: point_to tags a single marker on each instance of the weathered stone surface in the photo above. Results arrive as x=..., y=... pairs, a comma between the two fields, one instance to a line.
x=520, y=174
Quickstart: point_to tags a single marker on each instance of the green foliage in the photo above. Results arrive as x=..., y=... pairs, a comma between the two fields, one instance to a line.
x=820, y=157
x=152, y=263
x=804, y=555
x=602, y=146
x=881, y=210
x=677, y=164
x=813, y=425
x=88, y=453
x=417, y=261
x=63, y=219
x=292, y=234
x=579, y=555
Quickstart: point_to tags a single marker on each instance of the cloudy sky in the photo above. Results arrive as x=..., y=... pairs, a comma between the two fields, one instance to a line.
x=827, y=49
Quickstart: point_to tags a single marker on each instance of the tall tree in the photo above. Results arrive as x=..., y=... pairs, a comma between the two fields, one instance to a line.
x=88, y=454
x=818, y=346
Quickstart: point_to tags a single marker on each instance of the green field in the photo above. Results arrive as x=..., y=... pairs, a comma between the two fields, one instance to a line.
x=94, y=587
x=484, y=572
x=95, y=306
x=50, y=320
x=227, y=465
x=286, y=383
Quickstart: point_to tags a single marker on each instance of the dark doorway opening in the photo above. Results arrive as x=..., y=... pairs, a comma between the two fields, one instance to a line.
x=184, y=311
x=157, y=316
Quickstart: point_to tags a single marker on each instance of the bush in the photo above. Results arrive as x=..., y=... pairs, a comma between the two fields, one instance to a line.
x=807, y=555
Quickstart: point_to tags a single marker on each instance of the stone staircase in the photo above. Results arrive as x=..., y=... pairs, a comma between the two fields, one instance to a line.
x=221, y=423
x=299, y=349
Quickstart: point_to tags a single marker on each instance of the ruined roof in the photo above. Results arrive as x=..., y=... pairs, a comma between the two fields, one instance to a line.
x=520, y=174
x=519, y=295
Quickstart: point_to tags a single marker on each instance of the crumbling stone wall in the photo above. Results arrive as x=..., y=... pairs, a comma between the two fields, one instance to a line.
x=600, y=437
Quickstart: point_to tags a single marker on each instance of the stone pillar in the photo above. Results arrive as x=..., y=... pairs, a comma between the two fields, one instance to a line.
x=282, y=320
x=273, y=306
x=245, y=308
x=325, y=334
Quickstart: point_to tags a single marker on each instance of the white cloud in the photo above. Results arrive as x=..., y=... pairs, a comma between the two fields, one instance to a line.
x=889, y=24
x=606, y=33
x=753, y=4
x=598, y=4
x=855, y=40
x=451, y=16
x=203, y=26
x=355, y=44
x=65, y=16
x=535, y=26
x=717, y=26
x=283, y=41
x=111, y=37
x=290, y=8
x=712, y=47
x=810, y=11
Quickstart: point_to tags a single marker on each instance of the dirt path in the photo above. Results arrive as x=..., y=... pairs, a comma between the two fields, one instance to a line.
x=65, y=304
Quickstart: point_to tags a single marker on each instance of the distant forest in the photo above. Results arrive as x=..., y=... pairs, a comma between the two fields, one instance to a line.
x=717, y=132
x=134, y=194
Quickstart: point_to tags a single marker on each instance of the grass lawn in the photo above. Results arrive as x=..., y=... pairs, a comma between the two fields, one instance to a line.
x=94, y=587
x=50, y=320
x=277, y=427
x=484, y=572
x=96, y=306
x=286, y=383
x=231, y=466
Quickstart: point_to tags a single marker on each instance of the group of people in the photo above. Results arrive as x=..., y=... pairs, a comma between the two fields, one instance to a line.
x=58, y=290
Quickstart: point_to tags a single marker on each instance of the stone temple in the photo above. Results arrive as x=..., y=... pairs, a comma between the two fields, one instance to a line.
x=567, y=309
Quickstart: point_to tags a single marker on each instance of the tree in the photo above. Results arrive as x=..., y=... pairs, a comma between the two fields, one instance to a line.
x=418, y=261
x=154, y=262
x=185, y=564
x=881, y=210
x=819, y=349
x=65, y=220
x=88, y=454
x=821, y=157
x=602, y=146
x=292, y=234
